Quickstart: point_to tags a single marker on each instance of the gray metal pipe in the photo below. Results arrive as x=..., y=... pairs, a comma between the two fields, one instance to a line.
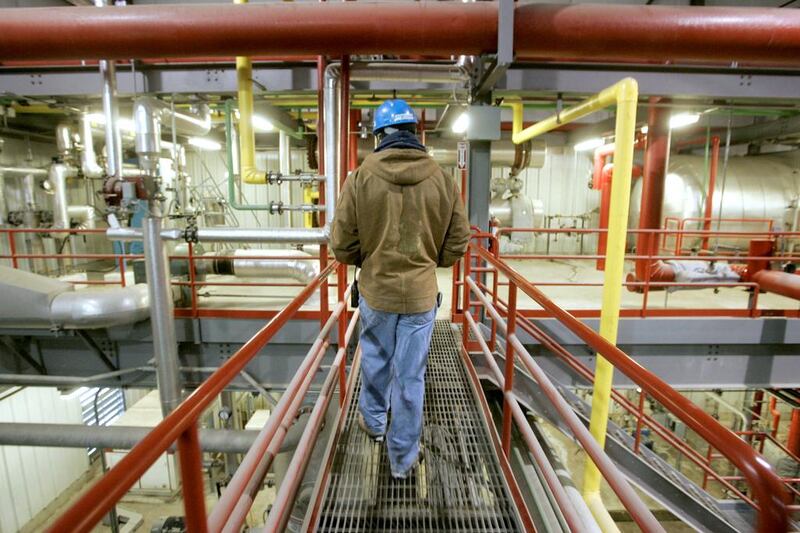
x=165, y=345
x=16, y=172
x=118, y=437
x=331, y=115
x=236, y=235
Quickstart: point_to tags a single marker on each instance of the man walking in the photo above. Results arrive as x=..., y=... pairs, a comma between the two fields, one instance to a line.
x=399, y=217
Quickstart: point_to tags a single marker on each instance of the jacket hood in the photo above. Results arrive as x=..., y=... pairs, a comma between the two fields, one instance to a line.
x=401, y=166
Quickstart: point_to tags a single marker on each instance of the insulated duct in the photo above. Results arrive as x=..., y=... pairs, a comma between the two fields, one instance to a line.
x=89, y=166
x=253, y=264
x=31, y=300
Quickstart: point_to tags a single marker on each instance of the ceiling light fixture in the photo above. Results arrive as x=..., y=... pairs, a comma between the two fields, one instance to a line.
x=589, y=144
x=204, y=143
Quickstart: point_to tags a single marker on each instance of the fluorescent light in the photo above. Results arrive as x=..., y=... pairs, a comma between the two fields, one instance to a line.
x=644, y=129
x=589, y=144
x=461, y=124
x=96, y=118
x=204, y=143
x=683, y=119
x=261, y=124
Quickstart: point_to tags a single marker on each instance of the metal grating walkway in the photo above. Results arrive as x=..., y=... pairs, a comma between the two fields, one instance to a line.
x=458, y=487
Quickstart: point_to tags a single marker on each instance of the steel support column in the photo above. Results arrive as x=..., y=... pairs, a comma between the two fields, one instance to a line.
x=165, y=345
x=479, y=174
x=655, y=170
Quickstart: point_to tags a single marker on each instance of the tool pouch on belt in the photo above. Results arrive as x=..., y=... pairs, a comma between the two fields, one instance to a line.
x=354, y=291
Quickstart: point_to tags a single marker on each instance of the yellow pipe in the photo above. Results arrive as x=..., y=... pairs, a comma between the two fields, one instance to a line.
x=247, y=137
x=625, y=95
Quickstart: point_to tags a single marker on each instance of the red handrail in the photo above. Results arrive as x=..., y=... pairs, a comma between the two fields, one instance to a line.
x=179, y=424
x=765, y=485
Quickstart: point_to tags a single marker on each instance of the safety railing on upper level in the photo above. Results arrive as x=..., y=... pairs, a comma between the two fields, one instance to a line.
x=261, y=303
x=681, y=224
x=182, y=423
x=767, y=492
x=641, y=304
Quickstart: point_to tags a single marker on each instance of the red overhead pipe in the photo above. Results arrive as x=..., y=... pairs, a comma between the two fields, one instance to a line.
x=762, y=36
x=712, y=181
x=655, y=171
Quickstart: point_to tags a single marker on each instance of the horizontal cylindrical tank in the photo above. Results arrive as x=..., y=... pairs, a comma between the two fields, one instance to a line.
x=756, y=187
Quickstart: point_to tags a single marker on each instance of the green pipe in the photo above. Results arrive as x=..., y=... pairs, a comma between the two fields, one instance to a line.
x=231, y=176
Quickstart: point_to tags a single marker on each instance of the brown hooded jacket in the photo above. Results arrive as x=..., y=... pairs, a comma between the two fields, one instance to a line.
x=399, y=217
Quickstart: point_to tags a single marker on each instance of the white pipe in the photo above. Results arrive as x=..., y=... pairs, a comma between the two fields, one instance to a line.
x=149, y=114
x=111, y=112
x=285, y=160
x=64, y=139
x=232, y=235
x=58, y=180
x=89, y=166
x=84, y=214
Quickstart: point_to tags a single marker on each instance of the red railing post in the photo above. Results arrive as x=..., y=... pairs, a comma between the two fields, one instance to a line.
x=341, y=288
x=192, y=286
x=191, y=461
x=12, y=248
x=495, y=274
x=122, y=271
x=465, y=299
x=508, y=384
x=639, y=420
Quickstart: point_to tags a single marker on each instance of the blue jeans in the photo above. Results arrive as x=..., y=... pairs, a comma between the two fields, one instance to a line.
x=394, y=354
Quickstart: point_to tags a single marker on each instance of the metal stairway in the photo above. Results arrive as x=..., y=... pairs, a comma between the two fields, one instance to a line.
x=648, y=471
x=458, y=487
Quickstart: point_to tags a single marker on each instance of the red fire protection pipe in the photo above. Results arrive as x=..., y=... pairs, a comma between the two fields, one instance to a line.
x=778, y=282
x=793, y=440
x=605, y=206
x=655, y=171
x=648, y=34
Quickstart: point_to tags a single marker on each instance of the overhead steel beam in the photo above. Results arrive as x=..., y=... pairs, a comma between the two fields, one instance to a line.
x=677, y=83
x=646, y=34
x=519, y=78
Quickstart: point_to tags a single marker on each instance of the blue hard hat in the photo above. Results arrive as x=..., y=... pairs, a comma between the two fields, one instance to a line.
x=392, y=113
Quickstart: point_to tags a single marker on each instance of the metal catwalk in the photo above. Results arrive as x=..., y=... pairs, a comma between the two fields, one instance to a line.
x=458, y=487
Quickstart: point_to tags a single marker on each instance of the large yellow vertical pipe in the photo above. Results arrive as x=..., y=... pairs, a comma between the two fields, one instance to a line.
x=625, y=94
x=627, y=97
x=247, y=137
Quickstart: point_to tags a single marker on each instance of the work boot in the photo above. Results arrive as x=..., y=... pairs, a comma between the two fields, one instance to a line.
x=377, y=437
x=404, y=475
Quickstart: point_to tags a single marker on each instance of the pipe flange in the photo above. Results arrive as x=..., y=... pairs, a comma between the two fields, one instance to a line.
x=190, y=233
x=275, y=208
x=274, y=178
